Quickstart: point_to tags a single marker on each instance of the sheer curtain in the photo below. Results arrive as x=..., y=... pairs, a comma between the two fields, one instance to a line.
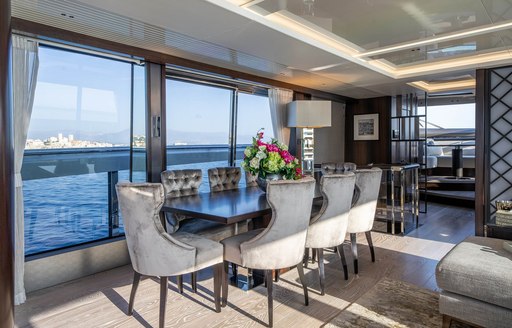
x=278, y=99
x=24, y=71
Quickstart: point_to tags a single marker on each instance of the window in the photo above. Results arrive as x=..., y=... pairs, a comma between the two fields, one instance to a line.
x=78, y=144
x=451, y=125
x=198, y=125
x=253, y=115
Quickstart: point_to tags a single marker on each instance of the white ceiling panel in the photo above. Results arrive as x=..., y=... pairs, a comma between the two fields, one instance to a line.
x=218, y=33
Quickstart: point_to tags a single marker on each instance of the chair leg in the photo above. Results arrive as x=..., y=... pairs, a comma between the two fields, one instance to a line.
x=276, y=275
x=179, y=282
x=370, y=243
x=163, y=301
x=341, y=253
x=234, y=269
x=300, y=269
x=225, y=277
x=270, y=297
x=447, y=321
x=313, y=255
x=217, y=282
x=193, y=281
x=353, y=242
x=321, y=270
x=306, y=257
x=135, y=285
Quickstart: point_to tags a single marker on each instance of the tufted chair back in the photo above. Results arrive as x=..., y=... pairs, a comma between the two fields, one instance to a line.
x=346, y=167
x=362, y=213
x=152, y=251
x=281, y=244
x=328, y=168
x=179, y=183
x=328, y=228
x=224, y=178
x=250, y=180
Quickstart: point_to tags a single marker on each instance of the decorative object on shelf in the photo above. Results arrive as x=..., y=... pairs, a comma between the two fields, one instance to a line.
x=366, y=127
x=309, y=114
x=504, y=212
x=270, y=161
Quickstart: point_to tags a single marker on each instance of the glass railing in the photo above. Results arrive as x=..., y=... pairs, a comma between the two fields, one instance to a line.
x=69, y=194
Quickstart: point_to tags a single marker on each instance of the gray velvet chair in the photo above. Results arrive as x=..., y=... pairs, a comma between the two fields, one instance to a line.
x=179, y=183
x=224, y=178
x=250, y=180
x=281, y=244
x=328, y=228
x=362, y=213
x=153, y=252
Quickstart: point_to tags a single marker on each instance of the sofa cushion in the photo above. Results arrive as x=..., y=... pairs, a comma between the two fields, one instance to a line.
x=478, y=268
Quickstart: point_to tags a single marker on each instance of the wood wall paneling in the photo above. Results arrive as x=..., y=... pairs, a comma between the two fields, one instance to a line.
x=481, y=140
x=371, y=151
x=6, y=172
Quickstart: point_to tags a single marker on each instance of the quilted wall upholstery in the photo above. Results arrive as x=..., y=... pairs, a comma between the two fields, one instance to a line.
x=224, y=178
x=179, y=183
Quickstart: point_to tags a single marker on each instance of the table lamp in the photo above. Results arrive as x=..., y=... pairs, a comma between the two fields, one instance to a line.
x=308, y=115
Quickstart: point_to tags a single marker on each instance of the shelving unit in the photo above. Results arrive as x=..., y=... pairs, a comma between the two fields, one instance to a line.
x=409, y=138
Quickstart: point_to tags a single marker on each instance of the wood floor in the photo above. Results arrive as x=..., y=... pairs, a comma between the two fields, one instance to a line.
x=100, y=300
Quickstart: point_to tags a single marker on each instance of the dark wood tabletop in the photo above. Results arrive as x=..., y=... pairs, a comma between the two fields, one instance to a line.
x=226, y=207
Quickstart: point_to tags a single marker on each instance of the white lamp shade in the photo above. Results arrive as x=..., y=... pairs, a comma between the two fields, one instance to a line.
x=309, y=114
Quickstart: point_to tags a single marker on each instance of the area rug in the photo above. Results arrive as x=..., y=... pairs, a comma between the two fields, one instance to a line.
x=392, y=303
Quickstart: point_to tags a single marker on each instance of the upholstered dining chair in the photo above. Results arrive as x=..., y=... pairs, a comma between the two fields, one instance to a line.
x=224, y=178
x=179, y=183
x=281, y=244
x=328, y=228
x=362, y=213
x=250, y=180
x=153, y=252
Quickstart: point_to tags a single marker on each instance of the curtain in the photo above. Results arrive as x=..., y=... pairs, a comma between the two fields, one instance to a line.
x=24, y=72
x=278, y=99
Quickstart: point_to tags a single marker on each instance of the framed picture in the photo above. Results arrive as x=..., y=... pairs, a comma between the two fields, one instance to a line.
x=366, y=127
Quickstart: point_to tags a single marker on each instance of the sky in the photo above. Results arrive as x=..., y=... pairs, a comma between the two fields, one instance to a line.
x=89, y=97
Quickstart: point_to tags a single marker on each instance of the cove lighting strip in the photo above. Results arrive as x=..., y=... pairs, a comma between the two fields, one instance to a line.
x=305, y=31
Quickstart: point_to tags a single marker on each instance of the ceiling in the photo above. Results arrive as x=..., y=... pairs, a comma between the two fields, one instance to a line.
x=358, y=48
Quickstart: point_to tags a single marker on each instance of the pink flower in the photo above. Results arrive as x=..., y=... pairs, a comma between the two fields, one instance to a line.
x=288, y=158
x=260, y=143
x=260, y=135
x=272, y=148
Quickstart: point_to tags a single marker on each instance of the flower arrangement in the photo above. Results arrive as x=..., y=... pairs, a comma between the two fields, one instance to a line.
x=261, y=159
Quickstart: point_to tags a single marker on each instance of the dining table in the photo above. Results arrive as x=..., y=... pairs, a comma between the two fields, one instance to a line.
x=229, y=207
x=225, y=207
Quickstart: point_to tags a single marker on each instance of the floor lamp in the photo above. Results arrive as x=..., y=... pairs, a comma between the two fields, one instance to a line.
x=308, y=115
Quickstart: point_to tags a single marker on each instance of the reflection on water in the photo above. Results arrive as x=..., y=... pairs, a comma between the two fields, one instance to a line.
x=70, y=210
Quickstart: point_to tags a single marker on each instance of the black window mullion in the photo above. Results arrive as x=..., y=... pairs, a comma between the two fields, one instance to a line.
x=233, y=127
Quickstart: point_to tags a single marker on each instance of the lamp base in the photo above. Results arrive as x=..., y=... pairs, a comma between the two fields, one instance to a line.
x=308, y=151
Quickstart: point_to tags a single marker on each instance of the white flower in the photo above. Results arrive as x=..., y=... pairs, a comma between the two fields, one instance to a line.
x=262, y=148
x=261, y=155
x=247, y=151
x=255, y=162
x=283, y=146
